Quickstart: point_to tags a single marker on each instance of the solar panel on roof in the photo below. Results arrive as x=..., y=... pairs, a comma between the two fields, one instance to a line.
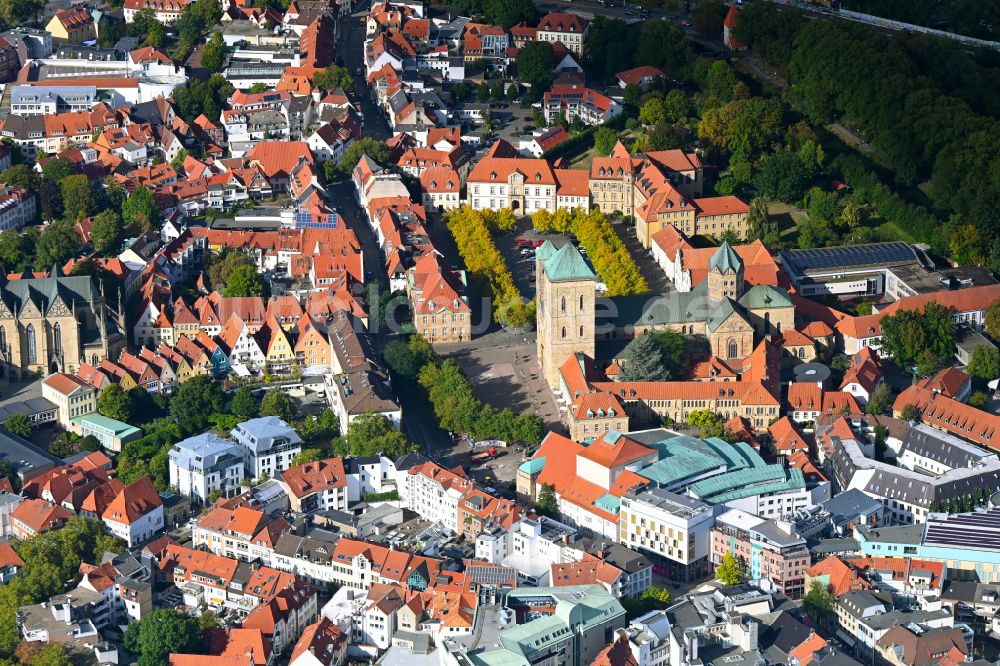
x=851, y=255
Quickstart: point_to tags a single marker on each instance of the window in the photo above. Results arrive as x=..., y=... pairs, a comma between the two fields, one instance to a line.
x=57, y=339
x=563, y=304
x=733, y=349
x=564, y=331
x=32, y=353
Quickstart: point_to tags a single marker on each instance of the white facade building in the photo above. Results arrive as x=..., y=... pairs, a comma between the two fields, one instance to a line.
x=269, y=445
x=204, y=463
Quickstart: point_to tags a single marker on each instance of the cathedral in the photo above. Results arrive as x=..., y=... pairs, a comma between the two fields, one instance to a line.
x=54, y=324
x=722, y=308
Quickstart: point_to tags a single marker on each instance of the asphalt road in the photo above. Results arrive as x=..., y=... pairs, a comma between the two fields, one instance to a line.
x=351, y=48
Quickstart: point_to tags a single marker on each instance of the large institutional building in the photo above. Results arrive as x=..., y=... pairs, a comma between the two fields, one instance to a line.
x=54, y=324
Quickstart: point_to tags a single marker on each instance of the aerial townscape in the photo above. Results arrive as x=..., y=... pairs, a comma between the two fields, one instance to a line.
x=499, y=332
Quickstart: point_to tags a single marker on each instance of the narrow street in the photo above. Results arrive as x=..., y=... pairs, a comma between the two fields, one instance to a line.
x=351, y=49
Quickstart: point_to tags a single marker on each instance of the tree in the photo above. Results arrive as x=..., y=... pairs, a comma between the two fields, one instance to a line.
x=50, y=200
x=312, y=427
x=483, y=94
x=925, y=339
x=653, y=112
x=782, y=176
x=720, y=80
x=851, y=215
x=376, y=151
x=113, y=402
x=817, y=601
x=979, y=400
x=710, y=424
x=90, y=443
x=605, y=139
x=759, y=222
x=655, y=356
x=277, y=403
x=105, y=231
x=333, y=77
x=208, y=97
x=19, y=424
x=909, y=413
x=708, y=17
x=507, y=13
x=162, y=632
x=16, y=250
x=547, y=505
x=244, y=404
x=79, y=199
x=984, y=364
x=139, y=210
x=21, y=175
x=56, y=245
x=51, y=655
x=372, y=434
x=534, y=67
x=728, y=571
x=308, y=456
x=880, y=400
x=676, y=106
x=62, y=446
x=244, y=281
x=660, y=44
x=58, y=168
x=208, y=620
x=195, y=400
x=221, y=266
x=992, y=320
x=658, y=596
x=213, y=57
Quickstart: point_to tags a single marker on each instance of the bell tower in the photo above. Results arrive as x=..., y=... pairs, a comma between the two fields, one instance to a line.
x=567, y=299
x=725, y=274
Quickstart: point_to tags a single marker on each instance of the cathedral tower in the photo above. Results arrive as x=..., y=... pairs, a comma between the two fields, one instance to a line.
x=725, y=274
x=567, y=297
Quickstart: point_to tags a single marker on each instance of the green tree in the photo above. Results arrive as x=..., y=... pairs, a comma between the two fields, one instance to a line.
x=880, y=400
x=213, y=57
x=660, y=44
x=208, y=620
x=333, y=77
x=710, y=424
x=51, y=655
x=277, y=403
x=547, y=505
x=483, y=93
x=90, y=443
x=195, y=400
x=21, y=175
x=653, y=112
x=308, y=456
x=56, y=245
x=19, y=424
x=984, y=364
x=79, y=199
x=105, y=231
x=708, y=16
x=818, y=602
x=507, y=13
x=244, y=404
x=139, y=210
x=913, y=337
x=113, y=402
x=783, y=176
x=655, y=356
x=605, y=139
x=371, y=434
x=376, y=151
x=991, y=321
x=58, y=168
x=162, y=632
x=979, y=400
x=676, y=106
x=16, y=250
x=658, y=596
x=534, y=67
x=728, y=571
x=62, y=446
x=910, y=413
x=244, y=281
x=720, y=80
x=759, y=221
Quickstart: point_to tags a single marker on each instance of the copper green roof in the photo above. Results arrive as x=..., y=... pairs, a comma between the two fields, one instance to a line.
x=567, y=265
x=725, y=260
x=721, y=313
x=765, y=296
x=545, y=250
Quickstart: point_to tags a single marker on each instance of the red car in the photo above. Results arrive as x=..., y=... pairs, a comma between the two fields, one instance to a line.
x=522, y=241
x=537, y=243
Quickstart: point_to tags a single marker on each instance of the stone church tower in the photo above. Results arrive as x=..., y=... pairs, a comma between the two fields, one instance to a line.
x=725, y=274
x=565, y=315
